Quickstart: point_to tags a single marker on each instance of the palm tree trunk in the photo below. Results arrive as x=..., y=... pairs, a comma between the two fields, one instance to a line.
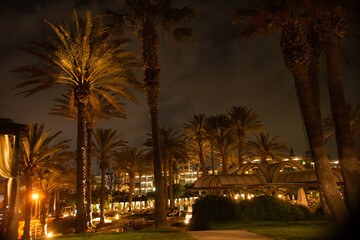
x=225, y=166
x=166, y=197
x=312, y=121
x=240, y=148
x=346, y=145
x=149, y=41
x=160, y=217
x=197, y=170
x=102, y=195
x=90, y=131
x=171, y=195
x=81, y=220
x=28, y=203
x=202, y=161
x=57, y=204
x=212, y=157
x=131, y=187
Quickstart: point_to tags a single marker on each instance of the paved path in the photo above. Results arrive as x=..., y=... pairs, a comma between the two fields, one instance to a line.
x=226, y=235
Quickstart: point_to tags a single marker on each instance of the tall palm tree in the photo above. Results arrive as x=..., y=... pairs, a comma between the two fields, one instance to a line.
x=331, y=28
x=95, y=111
x=38, y=152
x=131, y=160
x=297, y=46
x=147, y=18
x=107, y=142
x=265, y=148
x=195, y=128
x=86, y=61
x=243, y=121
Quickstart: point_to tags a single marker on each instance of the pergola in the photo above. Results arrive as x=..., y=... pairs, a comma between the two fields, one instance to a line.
x=267, y=177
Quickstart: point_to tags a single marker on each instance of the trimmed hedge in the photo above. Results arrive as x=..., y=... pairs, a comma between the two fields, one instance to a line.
x=268, y=208
x=209, y=210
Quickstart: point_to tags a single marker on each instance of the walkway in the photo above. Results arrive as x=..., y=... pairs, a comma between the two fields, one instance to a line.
x=226, y=235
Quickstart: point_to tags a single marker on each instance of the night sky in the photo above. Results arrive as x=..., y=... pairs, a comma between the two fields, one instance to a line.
x=217, y=71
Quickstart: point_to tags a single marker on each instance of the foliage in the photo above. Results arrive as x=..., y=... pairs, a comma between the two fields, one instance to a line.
x=107, y=142
x=36, y=152
x=178, y=190
x=266, y=147
x=150, y=195
x=354, y=116
x=211, y=209
x=268, y=208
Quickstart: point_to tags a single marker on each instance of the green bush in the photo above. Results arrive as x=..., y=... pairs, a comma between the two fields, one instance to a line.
x=268, y=208
x=211, y=209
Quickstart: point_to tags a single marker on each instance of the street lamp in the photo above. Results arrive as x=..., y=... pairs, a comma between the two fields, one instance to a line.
x=10, y=134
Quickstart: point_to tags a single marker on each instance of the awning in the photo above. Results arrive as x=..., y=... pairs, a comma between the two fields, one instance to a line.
x=221, y=181
x=308, y=176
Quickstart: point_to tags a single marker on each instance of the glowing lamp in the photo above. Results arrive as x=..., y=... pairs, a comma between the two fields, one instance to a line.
x=35, y=196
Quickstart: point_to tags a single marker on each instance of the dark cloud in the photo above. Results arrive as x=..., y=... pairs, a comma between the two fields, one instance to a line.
x=217, y=71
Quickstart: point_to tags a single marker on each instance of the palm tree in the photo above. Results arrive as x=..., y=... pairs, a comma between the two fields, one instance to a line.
x=195, y=128
x=37, y=152
x=210, y=135
x=147, y=18
x=172, y=146
x=354, y=115
x=224, y=142
x=131, y=160
x=49, y=182
x=90, y=64
x=297, y=47
x=243, y=121
x=107, y=142
x=265, y=148
x=331, y=28
x=95, y=111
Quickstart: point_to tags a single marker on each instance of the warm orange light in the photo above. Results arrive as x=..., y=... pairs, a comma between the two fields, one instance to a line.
x=35, y=196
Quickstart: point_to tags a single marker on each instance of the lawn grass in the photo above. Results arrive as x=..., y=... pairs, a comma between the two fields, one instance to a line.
x=149, y=233
x=294, y=230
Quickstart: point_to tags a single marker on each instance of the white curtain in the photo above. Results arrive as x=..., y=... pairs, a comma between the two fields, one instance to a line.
x=302, y=197
x=6, y=156
x=6, y=160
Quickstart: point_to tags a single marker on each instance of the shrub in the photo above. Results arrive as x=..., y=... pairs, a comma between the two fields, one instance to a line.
x=211, y=209
x=268, y=208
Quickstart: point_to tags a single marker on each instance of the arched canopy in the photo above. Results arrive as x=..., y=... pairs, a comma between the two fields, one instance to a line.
x=307, y=176
x=245, y=167
x=276, y=167
x=223, y=181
